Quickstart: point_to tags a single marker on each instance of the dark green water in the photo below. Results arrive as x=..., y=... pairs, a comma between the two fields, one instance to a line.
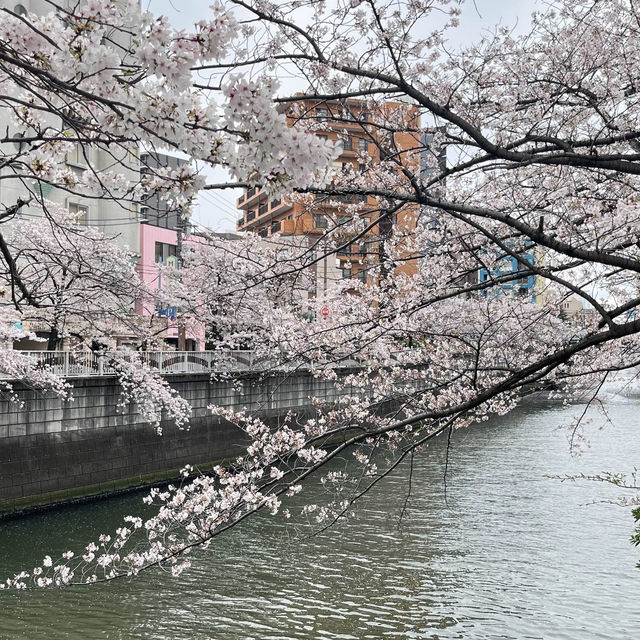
x=510, y=555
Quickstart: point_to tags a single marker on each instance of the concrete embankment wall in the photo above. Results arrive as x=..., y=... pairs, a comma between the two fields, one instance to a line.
x=54, y=451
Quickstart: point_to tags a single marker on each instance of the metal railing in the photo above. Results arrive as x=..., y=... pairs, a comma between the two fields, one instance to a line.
x=90, y=363
x=69, y=364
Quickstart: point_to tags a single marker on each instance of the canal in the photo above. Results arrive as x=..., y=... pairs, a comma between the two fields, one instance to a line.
x=509, y=554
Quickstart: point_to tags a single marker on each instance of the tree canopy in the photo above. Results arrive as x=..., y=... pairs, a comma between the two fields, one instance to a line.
x=511, y=159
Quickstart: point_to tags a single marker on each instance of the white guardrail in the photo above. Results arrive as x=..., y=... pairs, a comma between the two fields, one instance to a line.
x=79, y=363
x=89, y=363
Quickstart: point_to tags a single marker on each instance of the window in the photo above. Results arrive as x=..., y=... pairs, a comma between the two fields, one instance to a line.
x=320, y=221
x=76, y=157
x=251, y=214
x=262, y=233
x=165, y=253
x=362, y=276
x=81, y=211
x=263, y=209
x=275, y=227
x=19, y=10
x=346, y=273
x=322, y=114
x=363, y=144
x=275, y=203
x=322, y=136
x=362, y=168
x=347, y=144
x=345, y=198
x=365, y=115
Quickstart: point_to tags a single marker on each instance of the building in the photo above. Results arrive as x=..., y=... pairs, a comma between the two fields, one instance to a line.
x=308, y=221
x=116, y=220
x=162, y=232
x=155, y=210
x=524, y=286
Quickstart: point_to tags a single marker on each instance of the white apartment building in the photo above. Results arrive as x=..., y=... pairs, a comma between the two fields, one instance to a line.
x=116, y=220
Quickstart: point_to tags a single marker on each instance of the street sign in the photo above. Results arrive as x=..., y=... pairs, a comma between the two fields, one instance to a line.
x=324, y=312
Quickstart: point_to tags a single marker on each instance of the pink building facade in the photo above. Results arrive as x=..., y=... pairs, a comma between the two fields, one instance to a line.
x=158, y=247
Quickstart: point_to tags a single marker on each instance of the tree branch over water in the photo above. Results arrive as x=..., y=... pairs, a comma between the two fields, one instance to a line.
x=446, y=184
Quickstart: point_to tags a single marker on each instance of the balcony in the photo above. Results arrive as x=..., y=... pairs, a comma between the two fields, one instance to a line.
x=252, y=197
x=264, y=214
x=329, y=200
x=297, y=226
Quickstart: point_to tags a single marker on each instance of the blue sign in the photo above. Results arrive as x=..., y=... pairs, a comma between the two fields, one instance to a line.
x=168, y=312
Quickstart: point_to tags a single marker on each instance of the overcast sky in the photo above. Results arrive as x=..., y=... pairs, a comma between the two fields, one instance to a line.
x=217, y=209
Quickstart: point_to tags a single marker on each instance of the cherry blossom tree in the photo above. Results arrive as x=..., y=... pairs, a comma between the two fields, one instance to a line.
x=540, y=136
x=99, y=82
x=77, y=282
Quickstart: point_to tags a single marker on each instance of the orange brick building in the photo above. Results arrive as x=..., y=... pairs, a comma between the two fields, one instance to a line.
x=308, y=221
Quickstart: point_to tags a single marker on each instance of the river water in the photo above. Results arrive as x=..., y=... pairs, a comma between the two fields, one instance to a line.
x=510, y=554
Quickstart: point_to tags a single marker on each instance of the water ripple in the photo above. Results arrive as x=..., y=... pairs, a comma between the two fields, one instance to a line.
x=510, y=554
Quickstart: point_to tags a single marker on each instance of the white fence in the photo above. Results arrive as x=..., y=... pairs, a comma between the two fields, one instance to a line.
x=70, y=364
x=89, y=363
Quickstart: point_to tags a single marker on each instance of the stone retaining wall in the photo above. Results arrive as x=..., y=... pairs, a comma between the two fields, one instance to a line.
x=53, y=451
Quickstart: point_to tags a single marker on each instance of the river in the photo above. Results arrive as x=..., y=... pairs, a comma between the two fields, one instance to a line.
x=510, y=554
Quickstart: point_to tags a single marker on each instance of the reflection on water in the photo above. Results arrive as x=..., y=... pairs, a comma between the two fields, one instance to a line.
x=510, y=554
